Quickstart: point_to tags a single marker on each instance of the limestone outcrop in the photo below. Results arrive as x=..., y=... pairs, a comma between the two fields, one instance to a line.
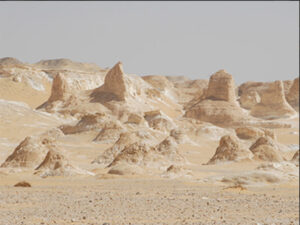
x=230, y=149
x=273, y=103
x=219, y=105
x=293, y=95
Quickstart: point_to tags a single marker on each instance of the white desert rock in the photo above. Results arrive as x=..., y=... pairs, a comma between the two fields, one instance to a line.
x=230, y=149
x=273, y=103
x=219, y=105
x=293, y=95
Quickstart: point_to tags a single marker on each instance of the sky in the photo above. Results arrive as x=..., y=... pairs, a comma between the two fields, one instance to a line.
x=252, y=40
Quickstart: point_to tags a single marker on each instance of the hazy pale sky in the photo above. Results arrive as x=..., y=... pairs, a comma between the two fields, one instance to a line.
x=251, y=40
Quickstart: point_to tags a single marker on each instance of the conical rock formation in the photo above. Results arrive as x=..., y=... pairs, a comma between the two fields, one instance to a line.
x=230, y=149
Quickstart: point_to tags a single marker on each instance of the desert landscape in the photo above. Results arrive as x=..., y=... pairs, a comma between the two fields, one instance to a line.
x=80, y=144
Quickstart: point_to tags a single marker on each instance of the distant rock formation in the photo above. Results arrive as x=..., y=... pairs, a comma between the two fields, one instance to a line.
x=114, y=87
x=219, y=105
x=273, y=103
x=230, y=149
x=9, y=61
x=293, y=95
x=221, y=87
x=66, y=64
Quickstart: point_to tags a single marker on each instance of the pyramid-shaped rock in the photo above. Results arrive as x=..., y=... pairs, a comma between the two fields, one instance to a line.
x=219, y=106
x=230, y=149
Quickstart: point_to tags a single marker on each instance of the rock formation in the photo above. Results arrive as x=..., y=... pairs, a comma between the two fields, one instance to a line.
x=87, y=123
x=253, y=132
x=29, y=153
x=221, y=87
x=114, y=87
x=266, y=149
x=273, y=103
x=293, y=95
x=230, y=149
x=295, y=158
x=9, y=61
x=219, y=106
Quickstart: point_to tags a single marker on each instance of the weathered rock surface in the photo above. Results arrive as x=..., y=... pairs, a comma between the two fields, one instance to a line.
x=230, y=149
x=219, y=106
x=293, y=95
x=221, y=87
x=273, y=103
x=253, y=132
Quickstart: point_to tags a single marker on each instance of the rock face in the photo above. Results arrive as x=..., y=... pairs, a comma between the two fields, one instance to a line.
x=219, y=106
x=249, y=99
x=56, y=164
x=29, y=153
x=53, y=161
x=293, y=95
x=114, y=87
x=221, y=87
x=273, y=103
x=60, y=88
x=230, y=149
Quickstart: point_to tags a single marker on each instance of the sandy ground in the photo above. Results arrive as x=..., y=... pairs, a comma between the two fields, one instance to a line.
x=143, y=201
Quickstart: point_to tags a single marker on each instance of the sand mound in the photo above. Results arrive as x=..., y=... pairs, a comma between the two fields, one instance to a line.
x=273, y=103
x=30, y=152
x=268, y=173
x=293, y=95
x=249, y=99
x=219, y=105
x=22, y=184
x=230, y=149
x=253, y=132
x=126, y=169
